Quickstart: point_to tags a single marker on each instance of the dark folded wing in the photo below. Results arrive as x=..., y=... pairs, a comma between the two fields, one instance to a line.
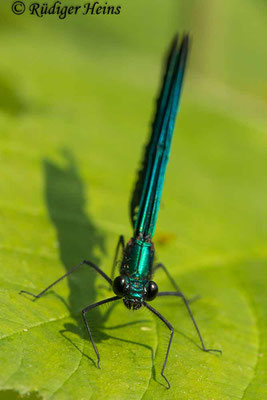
x=147, y=194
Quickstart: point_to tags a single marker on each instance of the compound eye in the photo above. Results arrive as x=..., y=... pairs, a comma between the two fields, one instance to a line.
x=119, y=285
x=152, y=291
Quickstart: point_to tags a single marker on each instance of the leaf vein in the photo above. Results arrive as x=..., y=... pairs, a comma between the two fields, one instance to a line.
x=72, y=373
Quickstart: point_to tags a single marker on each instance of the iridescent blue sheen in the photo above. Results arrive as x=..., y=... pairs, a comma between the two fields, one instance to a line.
x=137, y=267
x=138, y=256
x=160, y=143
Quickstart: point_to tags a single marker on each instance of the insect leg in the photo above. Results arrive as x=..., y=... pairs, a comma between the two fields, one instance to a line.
x=121, y=243
x=180, y=294
x=95, y=267
x=174, y=284
x=170, y=341
x=88, y=308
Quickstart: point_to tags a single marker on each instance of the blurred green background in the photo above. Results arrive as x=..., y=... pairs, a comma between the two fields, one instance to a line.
x=77, y=98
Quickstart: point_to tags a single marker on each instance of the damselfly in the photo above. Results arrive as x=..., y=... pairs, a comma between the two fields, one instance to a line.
x=134, y=285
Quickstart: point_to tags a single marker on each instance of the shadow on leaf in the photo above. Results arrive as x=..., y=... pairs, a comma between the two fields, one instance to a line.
x=78, y=239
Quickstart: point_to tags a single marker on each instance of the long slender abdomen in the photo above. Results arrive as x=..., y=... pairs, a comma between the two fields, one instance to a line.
x=158, y=150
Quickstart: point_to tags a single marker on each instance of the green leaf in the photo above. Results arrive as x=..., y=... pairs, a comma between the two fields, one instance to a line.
x=77, y=97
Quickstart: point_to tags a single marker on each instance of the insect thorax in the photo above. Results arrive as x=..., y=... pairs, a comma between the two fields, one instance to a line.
x=138, y=260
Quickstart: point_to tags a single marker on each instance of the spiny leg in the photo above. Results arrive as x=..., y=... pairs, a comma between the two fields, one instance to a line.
x=88, y=308
x=178, y=293
x=121, y=243
x=170, y=341
x=95, y=267
x=174, y=284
